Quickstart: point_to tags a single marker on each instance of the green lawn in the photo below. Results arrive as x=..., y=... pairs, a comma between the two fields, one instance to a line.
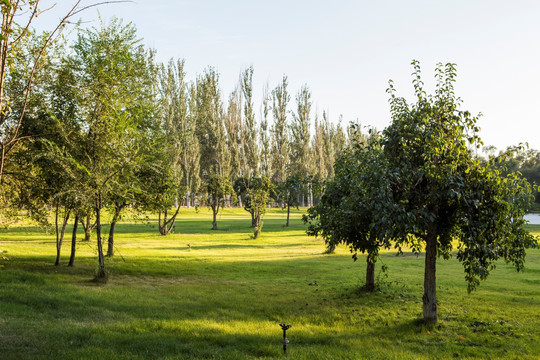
x=223, y=297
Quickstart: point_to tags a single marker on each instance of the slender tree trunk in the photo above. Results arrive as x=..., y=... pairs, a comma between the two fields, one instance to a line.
x=370, y=275
x=169, y=224
x=58, y=244
x=60, y=237
x=101, y=260
x=74, y=241
x=110, y=243
x=87, y=226
x=214, y=219
x=288, y=212
x=429, y=298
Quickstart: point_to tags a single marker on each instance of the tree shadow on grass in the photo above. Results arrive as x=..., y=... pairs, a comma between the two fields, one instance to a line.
x=194, y=247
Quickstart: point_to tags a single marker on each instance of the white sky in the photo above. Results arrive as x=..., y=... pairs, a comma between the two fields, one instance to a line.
x=346, y=51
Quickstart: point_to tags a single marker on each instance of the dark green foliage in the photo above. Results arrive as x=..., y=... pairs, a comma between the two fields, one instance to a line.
x=353, y=208
x=442, y=192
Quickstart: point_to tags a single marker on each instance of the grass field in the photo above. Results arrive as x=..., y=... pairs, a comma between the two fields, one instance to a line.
x=223, y=296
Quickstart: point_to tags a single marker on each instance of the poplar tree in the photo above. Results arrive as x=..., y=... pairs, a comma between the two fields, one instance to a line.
x=215, y=158
x=233, y=126
x=280, y=135
x=264, y=138
x=300, y=136
x=249, y=128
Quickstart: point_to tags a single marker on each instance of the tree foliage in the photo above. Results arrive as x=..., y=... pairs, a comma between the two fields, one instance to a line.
x=443, y=193
x=352, y=204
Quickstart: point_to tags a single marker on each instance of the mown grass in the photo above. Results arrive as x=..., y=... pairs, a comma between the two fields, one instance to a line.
x=223, y=296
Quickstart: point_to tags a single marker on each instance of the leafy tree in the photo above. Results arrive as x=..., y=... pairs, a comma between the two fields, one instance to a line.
x=217, y=189
x=113, y=92
x=256, y=192
x=18, y=17
x=259, y=192
x=443, y=193
x=350, y=209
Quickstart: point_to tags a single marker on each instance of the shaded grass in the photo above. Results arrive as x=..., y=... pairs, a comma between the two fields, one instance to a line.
x=224, y=295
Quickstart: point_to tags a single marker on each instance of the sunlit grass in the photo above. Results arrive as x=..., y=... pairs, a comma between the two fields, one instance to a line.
x=206, y=294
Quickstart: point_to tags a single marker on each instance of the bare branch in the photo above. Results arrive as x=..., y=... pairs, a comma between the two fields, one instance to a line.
x=101, y=3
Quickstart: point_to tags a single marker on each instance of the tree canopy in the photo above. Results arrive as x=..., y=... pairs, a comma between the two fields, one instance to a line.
x=443, y=193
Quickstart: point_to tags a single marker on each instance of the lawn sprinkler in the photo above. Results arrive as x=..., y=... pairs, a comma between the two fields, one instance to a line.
x=285, y=340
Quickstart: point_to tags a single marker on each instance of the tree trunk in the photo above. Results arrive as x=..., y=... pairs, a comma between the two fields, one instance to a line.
x=74, y=241
x=58, y=245
x=370, y=275
x=253, y=219
x=288, y=213
x=110, y=244
x=162, y=225
x=101, y=260
x=87, y=226
x=429, y=298
x=60, y=237
x=330, y=248
x=168, y=225
x=214, y=220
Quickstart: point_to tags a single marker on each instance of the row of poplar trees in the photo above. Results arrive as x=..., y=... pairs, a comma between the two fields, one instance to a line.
x=105, y=127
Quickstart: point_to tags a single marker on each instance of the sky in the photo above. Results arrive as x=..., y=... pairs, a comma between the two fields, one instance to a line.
x=346, y=51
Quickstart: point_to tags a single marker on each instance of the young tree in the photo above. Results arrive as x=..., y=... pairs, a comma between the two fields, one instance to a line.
x=114, y=91
x=443, y=193
x=349, y=211
x=258, y=193
x=217, y=189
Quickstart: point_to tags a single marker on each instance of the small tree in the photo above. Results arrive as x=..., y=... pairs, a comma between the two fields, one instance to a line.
x=256, y=193
x=259, y=194
x=349, y=211
x=442, y=193
x=217, y=189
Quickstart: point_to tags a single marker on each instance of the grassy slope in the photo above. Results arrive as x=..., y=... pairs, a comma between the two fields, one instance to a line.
x=223, y=298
